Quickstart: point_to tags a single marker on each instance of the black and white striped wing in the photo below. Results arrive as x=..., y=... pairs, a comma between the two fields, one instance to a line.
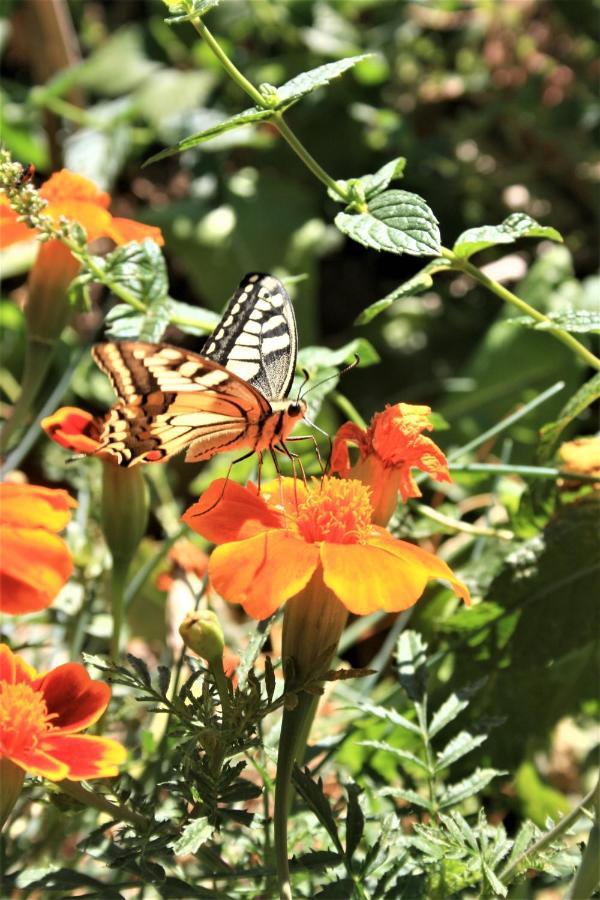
x=257, y=337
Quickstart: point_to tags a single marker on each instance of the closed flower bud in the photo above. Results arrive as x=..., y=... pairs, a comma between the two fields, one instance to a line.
x=201, y=632
x=124, y=510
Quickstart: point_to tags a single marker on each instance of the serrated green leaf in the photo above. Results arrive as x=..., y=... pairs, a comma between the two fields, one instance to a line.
x=459, y=829
x=192, y=837
x=396, y=221
x=398, y=752
x=411, y=663
x=389, y=715
x=458, y=747
x=409, y=796
x=550, y=433
x=517, y=225
x=247, y=117
x=306, y=82
x=468, y=787
x=499, y=889
x=575, y=321
x=141, y=269
x=372, y=184
x=420, y=282
x=448, y=711
x=355, y=821
x=312, y=794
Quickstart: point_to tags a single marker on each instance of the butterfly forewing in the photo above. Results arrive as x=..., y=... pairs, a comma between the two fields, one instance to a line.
x=257, y=338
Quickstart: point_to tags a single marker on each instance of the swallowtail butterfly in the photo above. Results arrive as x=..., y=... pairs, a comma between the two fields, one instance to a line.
x=233, y=396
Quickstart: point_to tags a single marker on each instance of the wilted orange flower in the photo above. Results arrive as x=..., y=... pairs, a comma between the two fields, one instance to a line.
x=271, y=545
x=35, y=562
x=388, y=449
x=184, y=557
x=581, y=456
x=74, y=429
x=79, y=200
x=40, y=715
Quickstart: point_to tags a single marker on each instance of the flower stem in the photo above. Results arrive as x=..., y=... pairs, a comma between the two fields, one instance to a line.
x=294, y=734
x=502, y=534
x=510, y=871
x=97, y=801
x=117, y=597
x=496, y=288
x=233, y=72
x=588, y=875
x=348, y=408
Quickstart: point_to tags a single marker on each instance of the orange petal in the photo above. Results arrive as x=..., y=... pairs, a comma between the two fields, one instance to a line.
x=72, y=428
x=229, y=512
x=416, y=556
x=263, y=571
x=13, y=668
x=77, y=700
x=28, y=505
x=367, y=578
x=85, y=756
x=34, y=566
x=39, y=763
x=66, y=185
x=349, y=432
x=125, y=230
x=96, y=220
x=11, y=230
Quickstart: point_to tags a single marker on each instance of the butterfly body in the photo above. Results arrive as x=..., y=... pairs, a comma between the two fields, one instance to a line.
x=232, y=398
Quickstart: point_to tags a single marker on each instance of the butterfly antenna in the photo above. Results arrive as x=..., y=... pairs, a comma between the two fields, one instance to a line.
x=355, y=362
x=305, y=380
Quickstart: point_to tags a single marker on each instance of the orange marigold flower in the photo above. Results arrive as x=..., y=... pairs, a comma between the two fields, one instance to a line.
x=74, y=429
x=184, y=557
x=40, y=715
x=78, y=200
x=273, y=544
x=35, y=562
x=388, y=449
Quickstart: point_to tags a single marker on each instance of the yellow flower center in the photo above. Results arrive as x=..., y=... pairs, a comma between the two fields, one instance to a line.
x=23, y=717
x=339, y=512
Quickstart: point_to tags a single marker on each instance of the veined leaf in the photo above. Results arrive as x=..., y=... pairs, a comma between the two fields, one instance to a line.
x=373, y=184
x=405, y=794
x=576, y=321
x=468, y=787
x=396, y=221
x=141, y=269
x=458, y=747
x=447, y=712
x=306, y=82
x=389, y=715
x=499, y=889
x=411, y=662
x=248, y=116
x=192, y=837
x=396, y=751
x=517, y=225
x=584, y=397
x=312, y=794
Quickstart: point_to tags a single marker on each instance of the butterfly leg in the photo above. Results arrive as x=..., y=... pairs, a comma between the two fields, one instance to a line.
x=230, y=467
x=311, y=437
x=294, y=459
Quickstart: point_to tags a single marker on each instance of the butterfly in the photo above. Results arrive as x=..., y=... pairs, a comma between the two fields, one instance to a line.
x=233, y=396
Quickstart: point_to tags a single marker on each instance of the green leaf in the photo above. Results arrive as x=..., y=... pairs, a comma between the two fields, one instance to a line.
x=396, y=221
x=576, y=321
x=199, y=8
x=312, y=794
x=458, y=747
x=468, y=787
x=290, y=92
x=550, y=433
x=389, y=715
x=355, y=821
x=141, y=269
x=314, y=358
x=398, y=752
x=195, y=320
x=409, y=796
x=371, y=185
x=248, y=116
x=517, y=225
x=192, y=837
x=411, y=663
x=447, y=712
x=499, y=889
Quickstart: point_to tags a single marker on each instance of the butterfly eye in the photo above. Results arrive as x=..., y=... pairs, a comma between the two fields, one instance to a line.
x=294, y=409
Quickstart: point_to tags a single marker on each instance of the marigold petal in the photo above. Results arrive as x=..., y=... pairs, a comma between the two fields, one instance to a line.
x=229, y=512
x=11, y=230
x=66, y=185
x=28, y=505
x=96, y=220
x=13, y=667
x=123, y=231
x=263, y=571
x=349, y=432
x=84, y=755
x=366, y=578
x=35, y=564
x=73, y=697
x=39, y=763
x=72, y=428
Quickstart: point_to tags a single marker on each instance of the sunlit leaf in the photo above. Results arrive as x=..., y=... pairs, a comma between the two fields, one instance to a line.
x=468, y=787
x=517, y=225
x=193, y=836
x=396, y=221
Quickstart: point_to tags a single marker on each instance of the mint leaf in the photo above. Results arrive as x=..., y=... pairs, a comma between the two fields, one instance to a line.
x=254, y=114
x=587, y=394
x=373, y=184
x=415, y=285
x=517, y=225
x=576, y=321
x=306, y=82
x=396, y=221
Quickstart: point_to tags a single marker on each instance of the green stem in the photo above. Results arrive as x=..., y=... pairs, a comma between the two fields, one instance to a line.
x=496, y=288
x=118, y=580
x=97, y=801
x=294, y=733
x=308, y=160
x=509, y=872
x=233, y=72
x=216, y=670
x=588, y=875
x=348, y=408
x=466, y=527
x=526, y=471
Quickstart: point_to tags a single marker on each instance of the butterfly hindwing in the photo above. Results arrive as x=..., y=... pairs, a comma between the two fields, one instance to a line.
x=170, y=399
x=257, y=336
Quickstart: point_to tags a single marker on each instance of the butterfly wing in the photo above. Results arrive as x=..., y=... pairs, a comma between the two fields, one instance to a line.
x=170, y=399
x=257, y=336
